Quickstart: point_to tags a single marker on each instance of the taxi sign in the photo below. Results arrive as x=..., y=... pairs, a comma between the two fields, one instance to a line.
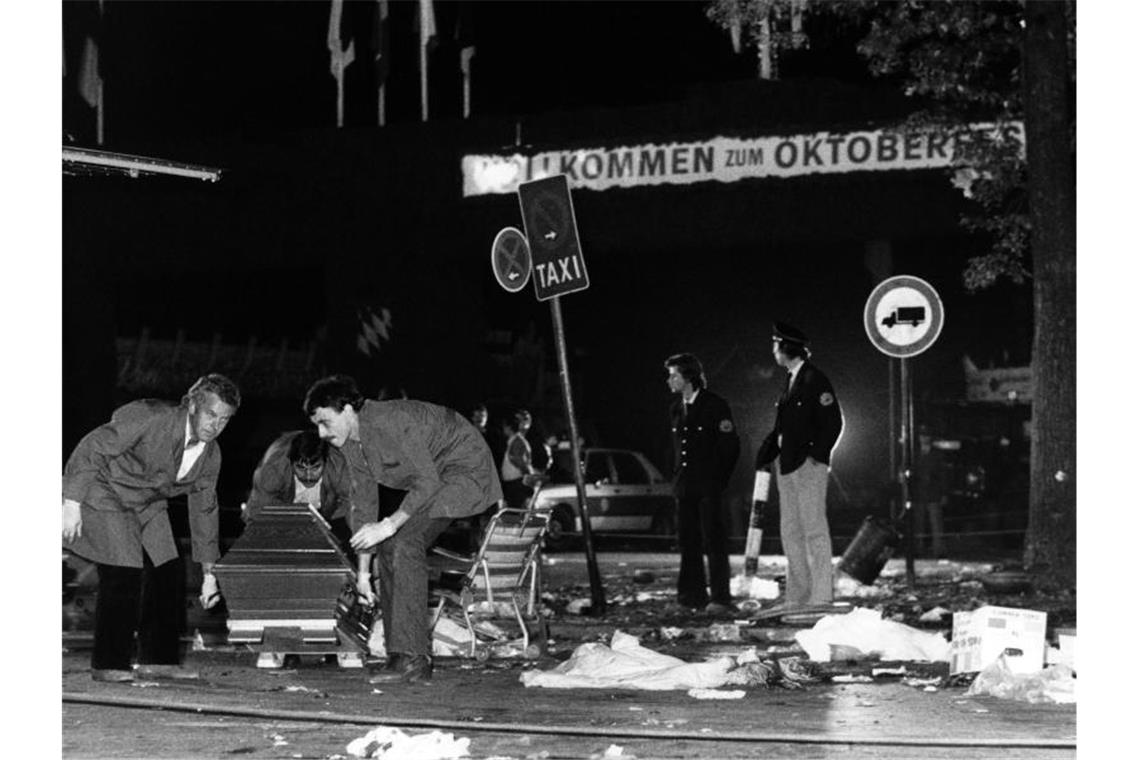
x=903, y=316
x=552, y=231
x=510, y=259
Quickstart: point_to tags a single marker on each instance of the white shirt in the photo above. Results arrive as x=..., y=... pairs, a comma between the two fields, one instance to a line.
x=692, y=399
x=795, y=371
x=310, y=496
x=189, y=454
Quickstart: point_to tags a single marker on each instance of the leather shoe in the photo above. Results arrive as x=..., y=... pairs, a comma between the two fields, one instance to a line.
x=720, y=608
x=162, y=670
x=112, y=676
x=405, y=668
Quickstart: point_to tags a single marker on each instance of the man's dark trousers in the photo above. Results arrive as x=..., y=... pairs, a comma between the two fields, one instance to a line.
x=119, y=614
x=702, y=532
x=402, y=569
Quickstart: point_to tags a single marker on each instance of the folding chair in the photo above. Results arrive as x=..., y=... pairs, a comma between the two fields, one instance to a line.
x=504, y=568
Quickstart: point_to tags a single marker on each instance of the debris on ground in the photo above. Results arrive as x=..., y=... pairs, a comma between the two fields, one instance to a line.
x=866, y=631
x=393, y=744
x=716, y=693
x=625, y=664
x=934, y=615
x=848, y=587
x=578, y=606
x=981, y=636
x=1056, y=684
x=752, y=587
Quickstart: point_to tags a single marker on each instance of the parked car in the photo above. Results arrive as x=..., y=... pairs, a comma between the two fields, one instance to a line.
x=625, y=493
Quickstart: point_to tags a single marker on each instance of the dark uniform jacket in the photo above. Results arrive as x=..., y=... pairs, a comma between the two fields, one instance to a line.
x=808, y=418
x=439, y=458
x=705, y=445
x=123, y=472
x=273, y=481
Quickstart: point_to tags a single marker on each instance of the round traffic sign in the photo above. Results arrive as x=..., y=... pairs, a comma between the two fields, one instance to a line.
x=510, y=259
x=903, y=316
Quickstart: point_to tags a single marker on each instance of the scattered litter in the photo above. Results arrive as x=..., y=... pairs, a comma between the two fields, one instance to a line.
x=865, y=630
x=377, y=691
x=899, y=671
x=279, y=741
x=934, y=615
x=981, y=636
x=393, y=744
x=1056, y=684
x=299, y=688
x=750, y=606
x=752, y=587
x=846, y=678
x=928, y=684
x=753, y=674
x=449, y=638
x=634, y=708
x=671, y=634
x=614, y=750
x=577, y=606
x=625, y=664
x=716, y=693
x=794, y=671
x=748, y=656
x=930, y=688
x=144, y=684
x=846, y=586
x=724, y=632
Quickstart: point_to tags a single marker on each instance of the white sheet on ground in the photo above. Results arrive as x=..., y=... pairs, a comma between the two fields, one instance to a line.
x=866, y=631
x=625, y=664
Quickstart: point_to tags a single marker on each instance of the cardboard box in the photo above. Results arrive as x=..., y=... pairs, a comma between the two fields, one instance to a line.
x=981, y=636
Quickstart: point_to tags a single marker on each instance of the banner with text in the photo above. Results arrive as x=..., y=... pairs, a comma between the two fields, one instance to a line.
x=730, y=159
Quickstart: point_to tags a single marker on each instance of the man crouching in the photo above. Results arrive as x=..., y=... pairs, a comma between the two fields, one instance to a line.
x=443, y=463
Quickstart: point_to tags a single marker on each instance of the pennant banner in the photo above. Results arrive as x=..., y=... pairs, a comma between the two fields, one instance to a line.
x=730, y=159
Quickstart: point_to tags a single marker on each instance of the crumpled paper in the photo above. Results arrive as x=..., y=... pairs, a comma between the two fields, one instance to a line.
x=865, y=631
x=1056, y=683
x=625, y=664
x=751, y=587
x=716, y=693
x=393, y=744
x=848, y=587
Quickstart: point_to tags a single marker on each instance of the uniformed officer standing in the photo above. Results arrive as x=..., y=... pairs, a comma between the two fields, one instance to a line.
x=705, y=448
x=808, y=424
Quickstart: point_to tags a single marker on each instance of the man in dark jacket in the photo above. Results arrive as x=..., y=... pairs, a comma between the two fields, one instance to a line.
x=705, y=449
x=300, y=468
x=808, y=425
x=115, y=488
x=445, y=467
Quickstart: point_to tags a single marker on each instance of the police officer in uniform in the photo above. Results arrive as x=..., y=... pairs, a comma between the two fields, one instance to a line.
x=705, y=449
x=808, y=424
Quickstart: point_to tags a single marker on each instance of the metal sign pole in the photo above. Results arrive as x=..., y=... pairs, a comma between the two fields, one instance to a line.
x=907, y=415
x=597, y=594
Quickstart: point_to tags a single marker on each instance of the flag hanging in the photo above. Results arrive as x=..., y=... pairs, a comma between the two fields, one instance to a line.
x=375, y=330
x=340, y=55
x=381, y=43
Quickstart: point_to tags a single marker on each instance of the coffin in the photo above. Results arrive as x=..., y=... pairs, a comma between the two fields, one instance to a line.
x=288, y=586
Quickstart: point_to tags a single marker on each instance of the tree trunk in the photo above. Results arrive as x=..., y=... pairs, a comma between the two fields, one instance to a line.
x=1051, y=540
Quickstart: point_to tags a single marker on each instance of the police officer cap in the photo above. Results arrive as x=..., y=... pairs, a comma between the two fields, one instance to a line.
x=784, y=331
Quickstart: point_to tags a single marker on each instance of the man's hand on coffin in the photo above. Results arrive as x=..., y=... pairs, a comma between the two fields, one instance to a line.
x=72, y=520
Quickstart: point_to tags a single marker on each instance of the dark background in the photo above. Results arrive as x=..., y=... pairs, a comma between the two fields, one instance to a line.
x=311, y=222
